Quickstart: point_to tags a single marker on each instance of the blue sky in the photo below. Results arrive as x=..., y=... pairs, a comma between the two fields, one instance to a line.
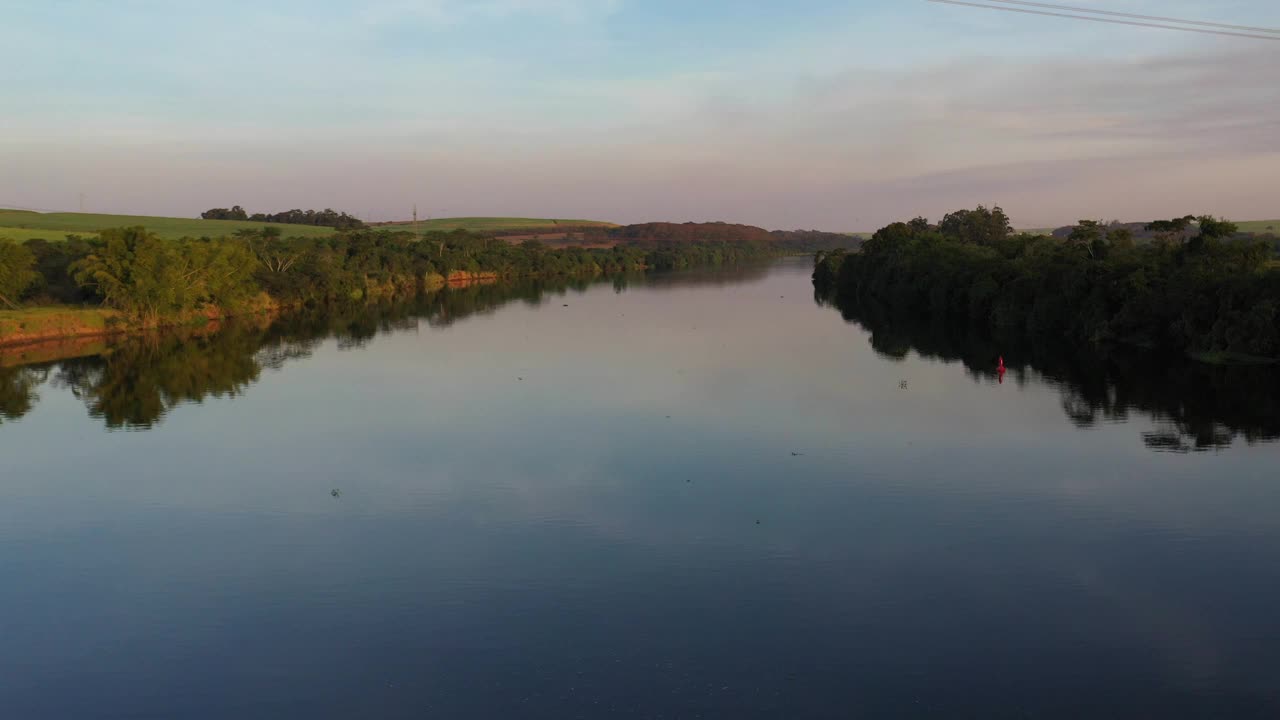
x=810, y=113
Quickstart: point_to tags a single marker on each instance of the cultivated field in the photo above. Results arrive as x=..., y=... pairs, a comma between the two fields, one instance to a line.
x=17, y=234
x=1260, y=226
x=24, y=225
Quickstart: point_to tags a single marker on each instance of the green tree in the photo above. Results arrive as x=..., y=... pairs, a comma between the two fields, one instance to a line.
x=1120, y=238
x=1171, y=231
x=215, y=272
x=919, y=224
x=1216, y=229
x=136, y=272
x=979, y=227
x=132, y=270
x=1090, y=235
x=235, y=213
x=1215, y=293
x=17, y=272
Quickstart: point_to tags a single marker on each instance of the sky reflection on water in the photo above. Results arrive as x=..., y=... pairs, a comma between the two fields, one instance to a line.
x=702, y=498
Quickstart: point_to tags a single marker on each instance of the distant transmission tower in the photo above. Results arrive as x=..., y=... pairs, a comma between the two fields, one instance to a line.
x=415, y=218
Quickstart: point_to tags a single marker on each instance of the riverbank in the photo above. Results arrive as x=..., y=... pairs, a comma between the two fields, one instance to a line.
x=186, y=281
x=54, y=350
x=29, y=328
x=33, y=326
x=354, y=267
x=1212, y=297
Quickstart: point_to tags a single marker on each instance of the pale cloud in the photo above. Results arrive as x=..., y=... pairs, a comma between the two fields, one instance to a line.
x=454, y=12
x=826, y=130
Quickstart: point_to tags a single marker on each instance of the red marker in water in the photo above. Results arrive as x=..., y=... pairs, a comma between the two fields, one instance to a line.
x=1001, y=370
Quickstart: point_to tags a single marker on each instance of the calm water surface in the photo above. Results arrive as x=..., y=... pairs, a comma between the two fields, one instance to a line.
x=698, y=495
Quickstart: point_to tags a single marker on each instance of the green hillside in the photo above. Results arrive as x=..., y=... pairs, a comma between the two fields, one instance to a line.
x=1260, y=226
x=17, y=234
x=24, y=225
x=481, y=224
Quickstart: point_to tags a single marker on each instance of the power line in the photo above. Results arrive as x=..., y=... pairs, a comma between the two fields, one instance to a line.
x=1112, y=21
x=1153, y=18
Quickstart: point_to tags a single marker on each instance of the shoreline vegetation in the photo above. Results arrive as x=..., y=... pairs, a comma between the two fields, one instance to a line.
x=132, y=381
x=1190, y=286
x=131, y=280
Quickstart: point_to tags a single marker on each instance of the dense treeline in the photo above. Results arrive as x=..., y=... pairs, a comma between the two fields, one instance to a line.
x=234, y=213
x=133, y=271
x=321, y=218
x=654, y=232
x=665, y=255
x=807, y=241
x=719, y=232
x=1209, y=293
x=17, y=273
x=690, y=232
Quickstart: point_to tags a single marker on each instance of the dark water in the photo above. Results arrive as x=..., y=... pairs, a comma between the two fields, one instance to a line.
x=698, y=495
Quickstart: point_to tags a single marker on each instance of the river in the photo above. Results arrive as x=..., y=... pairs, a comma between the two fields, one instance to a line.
x=695, y=495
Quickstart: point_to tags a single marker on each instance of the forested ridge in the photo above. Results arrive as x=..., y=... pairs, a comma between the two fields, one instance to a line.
x=1196, y=287
x=663, y=232
x=716, y=232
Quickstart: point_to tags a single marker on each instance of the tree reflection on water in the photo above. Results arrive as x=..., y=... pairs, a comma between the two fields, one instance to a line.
x=134, y=383
x=1196, y=407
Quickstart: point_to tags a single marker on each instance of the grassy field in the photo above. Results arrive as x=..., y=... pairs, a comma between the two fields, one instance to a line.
x=1260, y=226
x=18, y=234
x=44, y=323
x=24, y=225
x=481, y=224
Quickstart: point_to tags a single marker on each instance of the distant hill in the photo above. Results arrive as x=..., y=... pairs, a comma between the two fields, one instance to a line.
x=1140, y=231
x=798, y=240
x=494, y=224
x=691, y=232
x=594, y=233
x=814, y=240
x=25, y=225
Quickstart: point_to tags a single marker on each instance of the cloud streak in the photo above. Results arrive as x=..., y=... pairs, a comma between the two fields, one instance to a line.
x=457, y=12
